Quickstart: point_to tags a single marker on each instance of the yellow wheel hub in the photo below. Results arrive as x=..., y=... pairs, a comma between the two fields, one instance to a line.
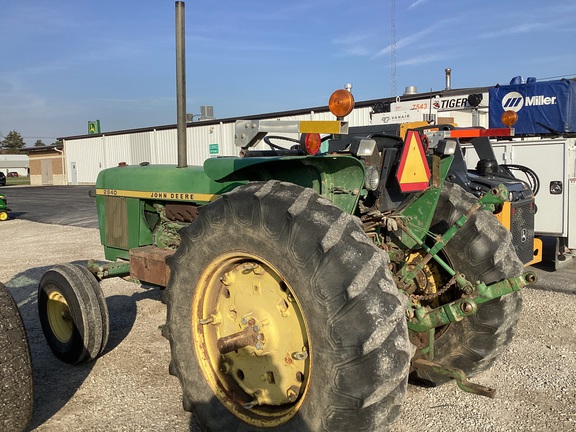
x=3, y=216
x=251, y=339
x=59, y=317
x=428, y=281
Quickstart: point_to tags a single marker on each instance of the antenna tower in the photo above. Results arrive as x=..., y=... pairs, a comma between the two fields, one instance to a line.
x=393, y=48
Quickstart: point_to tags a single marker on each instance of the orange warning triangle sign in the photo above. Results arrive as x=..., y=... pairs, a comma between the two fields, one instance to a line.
x=413, y=172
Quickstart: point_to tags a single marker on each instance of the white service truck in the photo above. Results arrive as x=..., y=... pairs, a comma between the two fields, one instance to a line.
x=543, y=151
x=553, y=160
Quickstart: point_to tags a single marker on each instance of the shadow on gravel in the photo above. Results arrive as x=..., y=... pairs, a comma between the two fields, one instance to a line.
x=546, y=266
x=555, y=279
x=122, y=310
x=55, y=382
x=16, y=215
x=222, y=420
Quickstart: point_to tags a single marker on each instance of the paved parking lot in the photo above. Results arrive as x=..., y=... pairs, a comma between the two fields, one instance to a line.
x=63, y=205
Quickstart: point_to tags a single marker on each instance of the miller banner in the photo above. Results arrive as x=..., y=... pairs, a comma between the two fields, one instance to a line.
x=547, y=107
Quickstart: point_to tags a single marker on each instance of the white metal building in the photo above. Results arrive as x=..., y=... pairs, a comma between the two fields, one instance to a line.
x=87, y=155
x=17, y=163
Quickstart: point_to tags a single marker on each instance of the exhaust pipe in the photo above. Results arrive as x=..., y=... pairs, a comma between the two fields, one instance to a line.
x=181, y=85
x=448, y=72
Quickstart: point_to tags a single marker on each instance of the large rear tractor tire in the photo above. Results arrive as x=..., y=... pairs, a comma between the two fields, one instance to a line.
x=73, y=313
x=16, y=379
x=483, y=251
x=282, y=314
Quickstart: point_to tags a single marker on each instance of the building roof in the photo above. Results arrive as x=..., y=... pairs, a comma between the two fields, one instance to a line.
x=13, y=161
x=13, y=157
x=361, y=104
x=42, y=149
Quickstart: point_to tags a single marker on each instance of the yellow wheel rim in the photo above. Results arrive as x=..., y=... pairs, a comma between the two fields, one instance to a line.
x=251, y=339
x=3, y=216
x=59, y=317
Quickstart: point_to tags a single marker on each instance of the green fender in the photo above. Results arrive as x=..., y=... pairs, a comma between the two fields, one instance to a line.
x=339, y=178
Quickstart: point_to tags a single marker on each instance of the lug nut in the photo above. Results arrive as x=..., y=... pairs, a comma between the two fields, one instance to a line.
x=292, y=393
x=300, y=355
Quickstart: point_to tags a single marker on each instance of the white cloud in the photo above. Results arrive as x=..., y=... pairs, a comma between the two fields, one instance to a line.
x=415, y=37
x=417, y=3
x=356, y=44
x=521, y=28
x=422, y=59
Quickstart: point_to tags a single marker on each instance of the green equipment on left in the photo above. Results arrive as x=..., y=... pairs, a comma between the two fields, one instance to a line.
x=3, y=207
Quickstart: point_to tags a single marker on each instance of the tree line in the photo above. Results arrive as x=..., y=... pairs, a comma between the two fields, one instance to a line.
x=13, y=143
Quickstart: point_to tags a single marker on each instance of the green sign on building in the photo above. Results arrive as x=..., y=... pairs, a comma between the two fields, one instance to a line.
x=213, y=149
x=93, y=127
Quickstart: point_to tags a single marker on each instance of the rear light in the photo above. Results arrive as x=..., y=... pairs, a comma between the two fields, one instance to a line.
x=446, y=147
x=362, y=147
x=341, y=103
x=372, y=178
x=310, y=143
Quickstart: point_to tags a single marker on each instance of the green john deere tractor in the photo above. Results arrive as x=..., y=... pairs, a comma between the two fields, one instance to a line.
x=303, y=288
x=3, y=207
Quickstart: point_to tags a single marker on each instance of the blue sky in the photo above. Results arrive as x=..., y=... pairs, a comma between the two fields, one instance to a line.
x=63, y=62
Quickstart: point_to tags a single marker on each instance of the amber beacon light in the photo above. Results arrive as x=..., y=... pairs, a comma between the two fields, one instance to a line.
x=341, y=103
x=509, y=118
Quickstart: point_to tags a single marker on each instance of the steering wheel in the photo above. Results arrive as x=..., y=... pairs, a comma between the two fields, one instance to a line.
x=268, y=140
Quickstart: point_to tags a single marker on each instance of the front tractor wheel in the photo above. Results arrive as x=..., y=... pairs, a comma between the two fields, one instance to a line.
x=73, y=313
x=282, y=314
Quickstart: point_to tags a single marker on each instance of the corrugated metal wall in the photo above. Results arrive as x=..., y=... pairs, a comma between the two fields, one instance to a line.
x=87, y=155
x=92, y=154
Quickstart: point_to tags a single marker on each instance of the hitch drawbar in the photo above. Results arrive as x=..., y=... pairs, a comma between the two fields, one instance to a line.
x=422, y=319
x=456, y=374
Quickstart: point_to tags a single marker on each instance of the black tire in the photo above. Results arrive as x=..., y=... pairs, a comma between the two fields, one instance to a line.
x=483, y=251
x=104, y=314
x=73, y=313
x=16, y=379
x=358, y=346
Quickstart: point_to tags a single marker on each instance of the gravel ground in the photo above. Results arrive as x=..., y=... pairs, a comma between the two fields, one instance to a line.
x=129, y=388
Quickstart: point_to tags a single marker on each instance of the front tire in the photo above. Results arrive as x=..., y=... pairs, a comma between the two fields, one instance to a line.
x=331, y=349
x=482, y=250
x=73, y=313
x=16, y=380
